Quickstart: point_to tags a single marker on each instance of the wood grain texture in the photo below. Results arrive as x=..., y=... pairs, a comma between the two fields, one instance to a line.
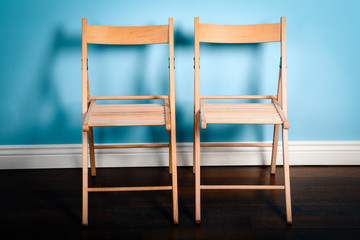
x=212, y=144
x=283, y=87
x=127, y=35
x=241, y=113
x=129, y=189
x=88, y=115
x=239, y=33
x=287, y=176
x=196, y=151
x=242, y=187
x=281, y=114
x=236, y=113
x=167, y=114
x=238, y=97
x=128, y=97
x=202, y=113
x=172, y=137
x=92, y=152
x=275, y=148
x=85, y=167
x=127, y=115
x=325, y=204
x=84, y=69
x=136, y=145
x=105, y=115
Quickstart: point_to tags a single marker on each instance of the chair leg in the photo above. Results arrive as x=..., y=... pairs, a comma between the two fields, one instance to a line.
x=197, y=167
x=170, y=153
x=92, y=152
x=287, y=176
x=172, y=149
x=274, y=148
x=85, y=169
x=194, y=158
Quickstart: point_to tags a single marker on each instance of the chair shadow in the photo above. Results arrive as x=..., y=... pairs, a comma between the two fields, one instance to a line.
x=252, y=85
x=50, y=120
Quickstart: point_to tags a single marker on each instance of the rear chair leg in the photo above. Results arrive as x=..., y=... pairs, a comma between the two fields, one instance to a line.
x=287, y=176
x=274, y=148
x=170, y=153
x=85, y=170
x=92, y=152
x=194, y=157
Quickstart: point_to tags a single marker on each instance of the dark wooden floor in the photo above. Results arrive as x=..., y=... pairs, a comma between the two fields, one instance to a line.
x=46, y=204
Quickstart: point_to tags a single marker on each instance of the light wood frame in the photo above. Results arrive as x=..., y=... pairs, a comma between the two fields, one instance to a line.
x=261, y=33
x=162, y=34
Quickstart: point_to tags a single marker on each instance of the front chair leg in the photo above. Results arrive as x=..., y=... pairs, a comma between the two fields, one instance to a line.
x=287, y=176
x=85, y=170
x=274, y=148
x=172, y=149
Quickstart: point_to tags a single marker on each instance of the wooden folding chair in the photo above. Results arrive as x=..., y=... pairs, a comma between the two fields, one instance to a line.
x=100, y=115
x=241, y=113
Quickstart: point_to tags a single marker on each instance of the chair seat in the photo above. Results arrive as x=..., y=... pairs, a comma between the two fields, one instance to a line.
x=240, y=113
x=127, y=115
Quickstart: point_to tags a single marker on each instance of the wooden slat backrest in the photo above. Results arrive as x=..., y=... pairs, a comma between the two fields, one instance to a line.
x=127, y=35
x=239, y=33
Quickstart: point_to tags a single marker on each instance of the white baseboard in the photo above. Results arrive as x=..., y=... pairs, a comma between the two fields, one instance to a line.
x=69, y=155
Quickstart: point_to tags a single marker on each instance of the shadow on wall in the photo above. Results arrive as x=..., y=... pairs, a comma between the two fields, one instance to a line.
x=46, y=119
x=184, y=43
x=49, y=117
x=129, y=69
x=248, y=82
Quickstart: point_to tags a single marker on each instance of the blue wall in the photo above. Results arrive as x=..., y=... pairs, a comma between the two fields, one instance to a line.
x=40, y=75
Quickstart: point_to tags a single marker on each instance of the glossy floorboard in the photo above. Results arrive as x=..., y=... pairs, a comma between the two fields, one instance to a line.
x=46, y=204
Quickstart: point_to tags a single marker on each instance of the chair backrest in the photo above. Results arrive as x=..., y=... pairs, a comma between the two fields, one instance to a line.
x=261, y=33
x=141, y=35
x=127, y=35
